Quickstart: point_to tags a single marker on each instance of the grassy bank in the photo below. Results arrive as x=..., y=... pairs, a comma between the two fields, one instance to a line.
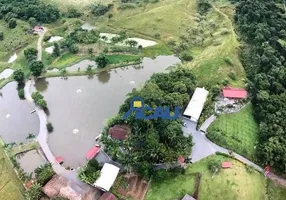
x=10, y=186
x=93, y=71
x=237, y=131
x=275, y=192
x=234, y=183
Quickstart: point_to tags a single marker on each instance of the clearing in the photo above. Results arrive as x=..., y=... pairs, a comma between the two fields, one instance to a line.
x=237, y=131
x=10, y=186
x=234, y=183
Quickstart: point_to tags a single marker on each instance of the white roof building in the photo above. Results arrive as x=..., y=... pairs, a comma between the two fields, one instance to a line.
x=196, y=105
x=107, y=177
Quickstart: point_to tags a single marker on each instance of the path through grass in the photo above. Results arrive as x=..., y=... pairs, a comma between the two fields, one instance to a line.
x=237, y=131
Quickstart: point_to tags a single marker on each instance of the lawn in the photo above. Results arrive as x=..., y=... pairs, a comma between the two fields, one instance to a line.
x=235, y=183
x=121, y=58
x=65, y=60
x=275, y=192
x=237, y=131
x=10, y=186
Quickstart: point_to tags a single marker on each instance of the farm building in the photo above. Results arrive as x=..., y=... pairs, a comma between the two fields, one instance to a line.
x=107, y=177
x=234, y=93
x=119, y=132
x=196, y=105
x=38, y=29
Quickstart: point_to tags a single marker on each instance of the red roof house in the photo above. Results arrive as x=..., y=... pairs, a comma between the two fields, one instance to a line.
x=119, y=132
x=234, y=93
x=226, y=165
x=92, y=152
x=107, y=196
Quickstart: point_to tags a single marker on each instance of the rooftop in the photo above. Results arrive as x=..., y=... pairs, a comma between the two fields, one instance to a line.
x=119, y=132
x=237, y=93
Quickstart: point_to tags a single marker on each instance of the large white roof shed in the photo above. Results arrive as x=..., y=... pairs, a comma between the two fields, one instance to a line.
x=107, y=177
x=196, y=105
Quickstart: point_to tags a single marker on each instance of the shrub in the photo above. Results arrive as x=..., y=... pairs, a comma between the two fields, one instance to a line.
x=127, y=6
x=225, y=82
x=214, y=166
x=157, y=35
x=186, y=56
x=50, y=127
x=99, y=9
x=19, y=76
x=34, y=192
x=232, y=76
x=160, y=175
x=1, y=36
x=74, y=48
x=44, y=173
x=47, y=37
x=12, y=23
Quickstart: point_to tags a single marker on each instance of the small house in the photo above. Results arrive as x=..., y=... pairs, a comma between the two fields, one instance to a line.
x=234, y=93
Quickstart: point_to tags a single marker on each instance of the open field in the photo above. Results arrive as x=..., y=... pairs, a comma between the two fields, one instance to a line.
x=237, y=131
x=234, y=183
x=10, y=186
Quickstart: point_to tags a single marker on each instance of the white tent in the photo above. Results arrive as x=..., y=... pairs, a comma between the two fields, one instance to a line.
x=196, y=105
x=107, y=177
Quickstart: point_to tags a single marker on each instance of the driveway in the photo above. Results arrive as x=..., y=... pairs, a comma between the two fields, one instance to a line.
x=202, y=146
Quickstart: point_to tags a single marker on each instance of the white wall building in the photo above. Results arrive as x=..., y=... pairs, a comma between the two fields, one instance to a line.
x=196, y=105
x=107, y=177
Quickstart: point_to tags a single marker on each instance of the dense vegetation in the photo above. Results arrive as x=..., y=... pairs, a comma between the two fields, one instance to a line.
x=262, y=26
x=158, y=140
x=27, y=9
x=90, y=172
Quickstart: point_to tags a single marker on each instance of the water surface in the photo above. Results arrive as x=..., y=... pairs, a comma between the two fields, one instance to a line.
x=80, y=106
x=16, y=122
x=6, y=73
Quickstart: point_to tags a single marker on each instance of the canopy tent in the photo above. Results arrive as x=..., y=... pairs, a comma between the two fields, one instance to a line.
x=196, y=105
x=107, y=177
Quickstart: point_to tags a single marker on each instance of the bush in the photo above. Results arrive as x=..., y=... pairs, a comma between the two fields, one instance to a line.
x=1, y=36
x=12, y=23
x=228, y=60
x=21, y=93
x=99, y=9
x=50, y=127
x=47, y=37
x=34, y=192
x=186, y=56
x=19, y=76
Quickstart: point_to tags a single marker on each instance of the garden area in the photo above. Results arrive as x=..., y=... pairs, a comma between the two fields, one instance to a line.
x=237, y=131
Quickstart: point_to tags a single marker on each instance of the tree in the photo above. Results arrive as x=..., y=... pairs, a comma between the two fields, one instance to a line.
x=73, y=13
x=36, y=96
x=36, y=67
x=56, y=51
x=73, y=48
x=21, y=93
x=50, y=127
x=42, y=103
x=99, y=9
x=19, y=76
x=44, y=173
x=32, y=21
x=34, y=192
x=101, y=61
x=12, y=23
x=1, y=36
x=131, y=43
x=30, y=54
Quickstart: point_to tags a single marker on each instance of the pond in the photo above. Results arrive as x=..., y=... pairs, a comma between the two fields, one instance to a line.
x=6, y=73
x=30, y=160
x=16, y=122
x=80, y=106
x=12, y=58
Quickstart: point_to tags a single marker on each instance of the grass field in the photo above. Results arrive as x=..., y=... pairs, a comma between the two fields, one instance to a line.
x=235, y=183
x=10, y=186
x=237, y=131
